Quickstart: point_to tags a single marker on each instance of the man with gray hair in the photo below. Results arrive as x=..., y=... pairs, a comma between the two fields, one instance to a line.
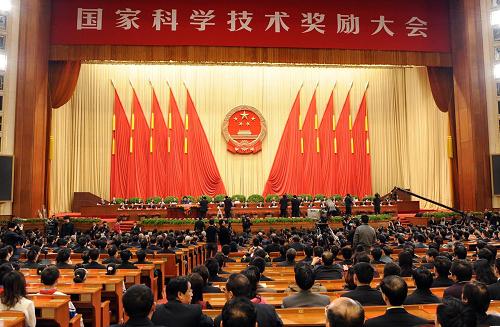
x=345, y=312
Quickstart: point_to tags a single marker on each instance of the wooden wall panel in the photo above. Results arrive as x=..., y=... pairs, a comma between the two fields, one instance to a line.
x=474, y=181
x=31, y=130
x=198, y=54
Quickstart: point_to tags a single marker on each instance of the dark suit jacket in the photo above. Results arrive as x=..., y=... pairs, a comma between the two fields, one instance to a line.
x=422, y=297
x=266, y=317
x=30, y=265
x=442, y=282
x=94, y=265
x=62, y=265
x=329, y=272
x=286, y=264
x=211, y=289
x=494, y=290
x=365, y=295
x=126, y=265
x=67, y=229
x=395, y=317
x=137, y=322
x=454, y=290
x=176, y=314
x=488, y=320
x=217, y=279
x=111, y=260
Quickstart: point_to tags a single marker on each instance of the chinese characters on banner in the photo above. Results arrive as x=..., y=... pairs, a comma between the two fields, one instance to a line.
x=364, y=24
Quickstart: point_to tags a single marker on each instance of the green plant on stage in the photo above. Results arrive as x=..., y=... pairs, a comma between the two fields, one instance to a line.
x=337, y=197
x=368, y=198
x=134, y=200
x=319, y=197
x=239, y=197
x=119, y=200
x=209, y=198
x=83, y=220
x=29, y=220
x=306, y=197
x=170, y=199
x=154, y=199
x=219, y=198
x=272, y=197
x=190, y=198
x=440, y=214
x=255, y=198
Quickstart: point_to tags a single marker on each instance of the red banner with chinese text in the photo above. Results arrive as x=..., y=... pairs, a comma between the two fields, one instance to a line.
x=421, y=25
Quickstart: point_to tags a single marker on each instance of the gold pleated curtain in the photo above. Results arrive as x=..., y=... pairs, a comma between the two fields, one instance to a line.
x=408, y=133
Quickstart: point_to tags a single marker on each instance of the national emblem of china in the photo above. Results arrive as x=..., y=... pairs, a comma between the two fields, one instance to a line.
x=244, y=128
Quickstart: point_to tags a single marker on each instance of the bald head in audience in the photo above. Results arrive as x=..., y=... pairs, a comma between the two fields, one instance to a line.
x=345, y=312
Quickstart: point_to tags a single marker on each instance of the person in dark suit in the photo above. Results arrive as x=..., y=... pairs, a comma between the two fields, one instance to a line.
x=290, y=259
x=213, y=270
x=295, y=206
x=11, y=237
x=67, y=228
x=452, y=312
x=125, y=256
x=224, y=233
x=274, y=246
x=260, y=263
x=138, y=303
x=203, y=207
x=345, y=312
x=377, y=201
x=363, y=293
x=422, y=295
x=283, y=206
x=475, y=295
x=348, y=203
x=207, y=286
x=239, y=312
x=199, y=225
x=179, y=312
x=141, y=258
x=211, y=239
x=461, y=272
x=32, y=259
x=442, y=266
x=238, y=286
x=228, y=205
x=94, y=257
x=81, y=245
x=394, y=289
x=494, y=289
x=63, y=259
x=112, y=250
x=304, y=277
x=328, y=270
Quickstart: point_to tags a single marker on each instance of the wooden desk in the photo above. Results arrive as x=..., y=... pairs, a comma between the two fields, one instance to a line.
x=148, y=278
x=51, y=308
x=12, y=318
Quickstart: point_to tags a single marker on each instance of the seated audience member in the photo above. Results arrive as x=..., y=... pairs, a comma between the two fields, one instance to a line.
x=207, y=286
x=253, y=275
x=484, y=272
x=376, y=255
x=494, y=289
x=13, y=297
x=453, y=313
x=239, y=312
x=125, y=256
x=442, y=266
x=364, y=293
x=112, y=251
x=4, y=269
x=220, y=260
x=141, y=258
x=391, y=269
x=138, y=303
x=350, y=284
x=226, y=250
x=80, y=275
x=291, y=253
x=405, y=262
x=261, y=264
x=63, y=259
x=179, y=312
x=308, y=252
x=461, y=272
x=49, y=278
x=213, y=269
x=346, y=252
x=295, y=244
x=197, y=285
x=475, y=295
x=460, y=252
x=430, y=256
x=345, y=312
x=32, y=259
x=94, y=257
x=238, y=286
x=274, y=246
x=304, y=277
x=422, y=295
x=328, y=270
x=386, y=257
x=394, y=290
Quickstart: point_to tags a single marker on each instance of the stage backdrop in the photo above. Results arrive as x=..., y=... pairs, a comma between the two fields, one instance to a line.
x=408, y=134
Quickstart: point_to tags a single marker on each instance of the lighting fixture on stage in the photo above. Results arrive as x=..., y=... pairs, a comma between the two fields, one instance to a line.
x=3, y=62
x=5, y=5
x=496, y=71
x=495, y=17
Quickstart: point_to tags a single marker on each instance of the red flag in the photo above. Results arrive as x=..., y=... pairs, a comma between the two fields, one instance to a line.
x=328, y=149
x=361, y=161
x=139, y=152
x=343, y=135
x=119, y=150
x=175, y=150
x=158, y=151
x=286, y=173
x=202, y=175
x=311, y=179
